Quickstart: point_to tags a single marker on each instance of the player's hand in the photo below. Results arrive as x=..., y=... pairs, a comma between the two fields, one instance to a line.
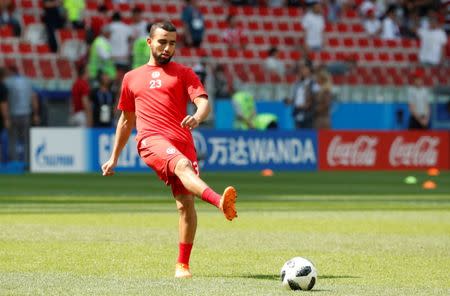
x=190, y=122
x=108, y=167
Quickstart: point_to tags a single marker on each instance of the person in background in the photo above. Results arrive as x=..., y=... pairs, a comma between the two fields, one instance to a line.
x=24, y=111
x=246, y=115
x=234, y=34
x=8, y=17
x=4, y=116
x=75, y=12
x=141, y=52
x=139, y=27
x=81, y=104
x=53, y=19
x=390, y=29
x=372, y=24
x=223, y=87
x=314, y=24
x=323, y=96
x=418, y=103
x=193, y=24
x=273, y=64
x=302, y=97
x=120, y=37
x=100, y=56
x=102, y=99
x=432, y=43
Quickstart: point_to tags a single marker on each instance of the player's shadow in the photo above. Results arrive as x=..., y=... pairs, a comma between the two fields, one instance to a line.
x=275, y=277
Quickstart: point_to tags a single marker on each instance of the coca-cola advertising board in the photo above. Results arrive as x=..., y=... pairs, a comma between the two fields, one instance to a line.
x=356, y=150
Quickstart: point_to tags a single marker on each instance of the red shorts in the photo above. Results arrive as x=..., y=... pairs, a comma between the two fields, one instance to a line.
x=162, y=156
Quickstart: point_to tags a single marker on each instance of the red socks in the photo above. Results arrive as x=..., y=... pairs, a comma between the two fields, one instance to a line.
x=211, y=197
x=184, y=253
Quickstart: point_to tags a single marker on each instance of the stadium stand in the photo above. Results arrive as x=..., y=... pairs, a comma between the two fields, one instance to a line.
x=378, y=62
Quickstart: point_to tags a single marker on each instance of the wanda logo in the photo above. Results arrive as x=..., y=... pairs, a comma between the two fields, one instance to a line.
x=360, y=152
x=422, y=152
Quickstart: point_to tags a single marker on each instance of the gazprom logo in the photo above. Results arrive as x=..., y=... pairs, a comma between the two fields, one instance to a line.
x=52, y=160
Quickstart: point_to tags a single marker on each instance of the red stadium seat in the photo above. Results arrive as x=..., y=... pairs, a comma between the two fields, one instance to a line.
x=213, y=38
x=46, y=68
x=283, y=26
x=268, y=26
x=363, y=42
x=333, y=42
x=173, y=9
x=6, y=31
x=399, y=57
x=25, y=48
x=42, y=49
x=295, y=55
x=289, y=40
x=253, y=25
x=259, y=40
x=65, y=69
x=29, y=19
x=377, y=42
x=217, y=53
x=6, y=48
x=155, y=8
x=349, y=42
x=297, y=27
x=28, y=67
x=383, y=56
x=274, y=40
x=218, y=10
x=248, y=54
x=342, y=28
x=357, y=28
x=232, y=53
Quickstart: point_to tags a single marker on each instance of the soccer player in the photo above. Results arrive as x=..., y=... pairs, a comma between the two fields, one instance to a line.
x=154, y=98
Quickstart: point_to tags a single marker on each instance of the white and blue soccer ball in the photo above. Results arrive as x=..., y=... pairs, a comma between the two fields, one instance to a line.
x=298, y=274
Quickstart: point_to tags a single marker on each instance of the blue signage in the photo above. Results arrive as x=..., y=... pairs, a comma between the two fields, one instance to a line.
x=224, y=150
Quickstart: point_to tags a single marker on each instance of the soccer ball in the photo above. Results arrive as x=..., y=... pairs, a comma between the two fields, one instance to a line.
x=298, y=274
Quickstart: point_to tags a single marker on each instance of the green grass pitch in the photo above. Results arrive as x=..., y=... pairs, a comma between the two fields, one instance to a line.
x=367, y=232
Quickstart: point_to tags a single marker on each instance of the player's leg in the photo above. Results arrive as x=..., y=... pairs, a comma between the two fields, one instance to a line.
x=188, y=176
x=187, y=224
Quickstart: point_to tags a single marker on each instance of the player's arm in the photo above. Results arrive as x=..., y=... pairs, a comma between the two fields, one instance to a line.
x=203, y=109
x=125, y=125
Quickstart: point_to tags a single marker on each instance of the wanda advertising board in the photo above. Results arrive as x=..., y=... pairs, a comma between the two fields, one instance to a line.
x=356, y=150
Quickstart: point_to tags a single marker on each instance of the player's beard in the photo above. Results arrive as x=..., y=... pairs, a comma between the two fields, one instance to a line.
x=160, y=60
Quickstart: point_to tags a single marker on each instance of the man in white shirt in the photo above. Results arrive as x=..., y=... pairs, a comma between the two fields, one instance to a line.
x=139, y=25
x=432, y=42
x=418, y=103
x=372, y=25
x=314, y=24
x=121, y=35
x=273, y=64
x=390, y=29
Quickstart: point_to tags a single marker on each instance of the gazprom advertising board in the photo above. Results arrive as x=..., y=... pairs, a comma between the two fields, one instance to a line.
x=59, y=150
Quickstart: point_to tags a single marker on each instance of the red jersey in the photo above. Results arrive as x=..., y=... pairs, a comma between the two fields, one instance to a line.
x=79, y=89
x=159, y=96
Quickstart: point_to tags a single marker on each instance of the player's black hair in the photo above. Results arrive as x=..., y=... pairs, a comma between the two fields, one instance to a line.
x=116, y=16
x=165, y=25
x=148, y=27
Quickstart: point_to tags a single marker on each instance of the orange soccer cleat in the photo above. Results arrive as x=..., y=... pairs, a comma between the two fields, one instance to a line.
x=182, y=271
x=228, y=203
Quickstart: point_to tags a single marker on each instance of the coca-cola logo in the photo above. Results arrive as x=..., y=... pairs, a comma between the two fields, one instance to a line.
x=422, y=152
x=360, y=152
